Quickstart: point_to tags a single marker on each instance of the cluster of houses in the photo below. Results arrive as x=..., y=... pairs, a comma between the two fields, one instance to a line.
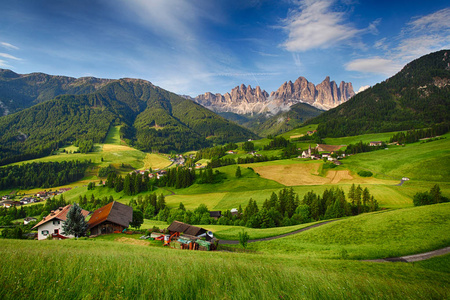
x=8, y=202
x=115, y=217
x=330, y=150
x=111, y=218
x=158, y=174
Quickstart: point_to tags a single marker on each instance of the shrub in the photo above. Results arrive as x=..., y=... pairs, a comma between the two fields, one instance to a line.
x=365, y=173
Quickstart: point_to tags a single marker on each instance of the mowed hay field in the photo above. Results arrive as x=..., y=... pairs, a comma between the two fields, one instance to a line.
x=308, y=173
x=156, y=161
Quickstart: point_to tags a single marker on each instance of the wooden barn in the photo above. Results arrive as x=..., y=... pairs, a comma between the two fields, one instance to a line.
x=185, y=236
x=113, y=217
x=183, y=228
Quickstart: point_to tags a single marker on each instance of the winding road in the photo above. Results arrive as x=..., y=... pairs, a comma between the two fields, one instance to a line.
x=408, y=258
x=235, y=242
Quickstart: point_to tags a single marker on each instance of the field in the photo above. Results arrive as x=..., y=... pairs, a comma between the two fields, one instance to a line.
x=302, y=174
x=113, y=136
x=322, y=263
x=368, y=236
x=156, y=161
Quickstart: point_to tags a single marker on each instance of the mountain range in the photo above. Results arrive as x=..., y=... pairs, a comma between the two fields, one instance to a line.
x=247, y=100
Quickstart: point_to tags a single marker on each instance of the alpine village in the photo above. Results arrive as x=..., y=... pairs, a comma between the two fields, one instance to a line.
x=122, y=189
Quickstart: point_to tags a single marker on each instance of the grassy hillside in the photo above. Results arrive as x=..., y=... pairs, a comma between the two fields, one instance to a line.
x=372, y=235
x=418, y=161
x=152, y=119
x=414, y=98
x=314, y=264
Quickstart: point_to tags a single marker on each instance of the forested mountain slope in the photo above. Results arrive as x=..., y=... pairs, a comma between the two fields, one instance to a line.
x=19, y=91
x=152, y=119
x=285, y=121
x=418, y=96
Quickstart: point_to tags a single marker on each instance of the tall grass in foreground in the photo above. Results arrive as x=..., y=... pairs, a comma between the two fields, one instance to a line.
x=94, y=269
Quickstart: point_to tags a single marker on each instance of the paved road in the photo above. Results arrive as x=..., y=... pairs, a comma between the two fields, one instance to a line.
x=415, y=257
x=234, y=242
x=409, y=258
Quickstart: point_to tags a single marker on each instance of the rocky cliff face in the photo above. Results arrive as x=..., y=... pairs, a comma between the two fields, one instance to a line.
x=246, y=100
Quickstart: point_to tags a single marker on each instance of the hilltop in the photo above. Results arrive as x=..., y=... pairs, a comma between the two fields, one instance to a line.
x=152, y=119
x=416, y=97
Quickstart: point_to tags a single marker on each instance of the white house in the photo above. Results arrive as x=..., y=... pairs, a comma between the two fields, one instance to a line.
x=52, y=224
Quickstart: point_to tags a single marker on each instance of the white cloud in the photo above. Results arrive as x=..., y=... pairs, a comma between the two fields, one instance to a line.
x=437, y=21
x=363, y=88
x=6, y=55
x=4, y=64
x=315, y=25
x=374, y=65
x=419, y=37
x=424, y=35
x=297, y=60
x=179, y=19
x=9, y=46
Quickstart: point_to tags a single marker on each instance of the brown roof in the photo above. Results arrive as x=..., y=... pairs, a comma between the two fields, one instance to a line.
x=329, y=148
x=60, y=214
x=185, y=228
x=114, y=212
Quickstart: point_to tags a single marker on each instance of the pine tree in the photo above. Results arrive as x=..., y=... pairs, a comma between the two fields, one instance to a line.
x=365, y=200
x=238, y=172
x=358, y=193
x=75, y=223
x=351, y=194
x=127, y=185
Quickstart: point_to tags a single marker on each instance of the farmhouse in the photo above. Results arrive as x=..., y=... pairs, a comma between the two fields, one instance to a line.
x=52, y=224
x=28, y=220
x=184, y=228
x=215, y=214
x=185, y=236
x=27, y=200
x=378, y=143
x=9, y=203
x=113, y=217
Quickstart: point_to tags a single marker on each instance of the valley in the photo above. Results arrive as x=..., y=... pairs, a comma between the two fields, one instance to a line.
x=367, y=195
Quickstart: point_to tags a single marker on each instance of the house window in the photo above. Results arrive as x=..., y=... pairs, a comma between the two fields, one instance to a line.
x=44, y=232
x=55, y=222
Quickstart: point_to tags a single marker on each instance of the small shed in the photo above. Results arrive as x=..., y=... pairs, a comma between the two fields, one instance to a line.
x=181, y=227
x=215, y=214
x=114, y=216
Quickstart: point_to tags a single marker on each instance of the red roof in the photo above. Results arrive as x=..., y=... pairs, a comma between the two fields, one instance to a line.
x=115, y=212
x=60, y=214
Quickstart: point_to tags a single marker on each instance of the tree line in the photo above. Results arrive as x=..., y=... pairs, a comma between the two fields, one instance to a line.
x=42, y=174
x=412, y=136
x=134, y=183
x=434, y=196
x=285, y=209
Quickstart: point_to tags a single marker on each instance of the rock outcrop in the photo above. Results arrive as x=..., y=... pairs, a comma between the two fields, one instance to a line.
x=248, y=100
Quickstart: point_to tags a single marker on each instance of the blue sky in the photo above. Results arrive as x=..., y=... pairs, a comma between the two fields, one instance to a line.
x=196, y=46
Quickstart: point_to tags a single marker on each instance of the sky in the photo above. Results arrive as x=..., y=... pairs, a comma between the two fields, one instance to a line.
x=195, y=46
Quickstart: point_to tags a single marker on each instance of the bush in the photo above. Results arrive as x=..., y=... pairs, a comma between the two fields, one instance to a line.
x=365, y=173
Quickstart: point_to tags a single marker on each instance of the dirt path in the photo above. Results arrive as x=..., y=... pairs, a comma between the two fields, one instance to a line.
x=235, y=242
x=415, y=257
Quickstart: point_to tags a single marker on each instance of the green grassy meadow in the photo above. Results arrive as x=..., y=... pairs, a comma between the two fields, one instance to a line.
x=374, y=235
x=322, y=263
